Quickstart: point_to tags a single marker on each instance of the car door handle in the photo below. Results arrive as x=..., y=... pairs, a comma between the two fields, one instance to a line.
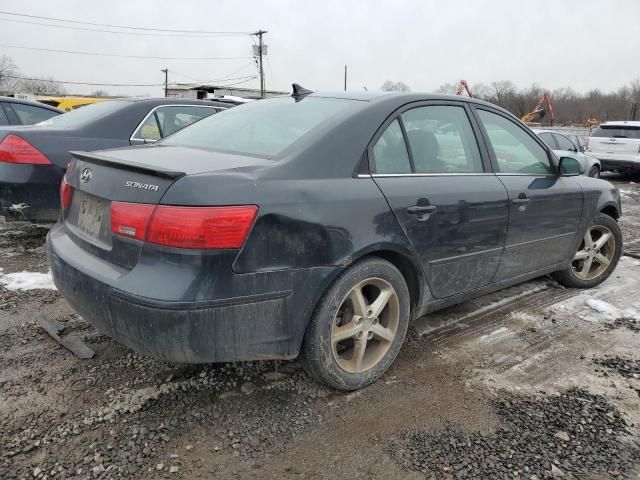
x=420, y=209
x=522, y=199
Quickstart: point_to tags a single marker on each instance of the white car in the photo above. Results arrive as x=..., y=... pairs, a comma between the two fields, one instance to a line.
x=617, y=146
x=563, y=146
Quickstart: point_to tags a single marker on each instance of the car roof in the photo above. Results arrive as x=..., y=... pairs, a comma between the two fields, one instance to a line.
x=540, y=130
x=173, y=101
x=622, y=123
x=28, y=102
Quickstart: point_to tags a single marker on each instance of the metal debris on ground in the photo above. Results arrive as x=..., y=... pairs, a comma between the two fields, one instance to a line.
x=70, y=342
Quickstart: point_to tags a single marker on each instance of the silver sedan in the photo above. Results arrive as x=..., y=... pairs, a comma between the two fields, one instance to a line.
x=563, y=146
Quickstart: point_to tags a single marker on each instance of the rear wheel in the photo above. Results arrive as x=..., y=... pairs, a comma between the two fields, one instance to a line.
x=358, y=326
x=597, y=255
x=594, y=171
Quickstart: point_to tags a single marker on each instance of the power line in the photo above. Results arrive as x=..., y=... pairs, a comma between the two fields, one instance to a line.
x=86, y=83
x=124, y=27
x=114, y=84
x=210, y=81
x=96, y=54
x=226, y=79
x=71, y=27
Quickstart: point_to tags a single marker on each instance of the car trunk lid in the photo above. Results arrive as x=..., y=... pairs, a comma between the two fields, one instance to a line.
x=139, y=175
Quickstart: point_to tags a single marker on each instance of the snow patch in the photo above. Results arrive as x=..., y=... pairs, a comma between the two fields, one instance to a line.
x=27, y=281
x=601, y=306
x=500, y=332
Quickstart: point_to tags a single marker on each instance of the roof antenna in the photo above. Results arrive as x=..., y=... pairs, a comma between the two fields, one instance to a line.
x=299, y=91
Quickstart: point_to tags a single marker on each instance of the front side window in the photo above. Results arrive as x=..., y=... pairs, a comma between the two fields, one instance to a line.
x=30, y=115
x=390, y=151
x=515, y=150
x=441, y=140
x=564, y=143
x=164, y=121
x=264, y=128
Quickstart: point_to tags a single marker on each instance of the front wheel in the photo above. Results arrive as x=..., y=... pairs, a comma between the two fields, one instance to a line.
x=597, y=255
x=358, y=326
x=594, y=171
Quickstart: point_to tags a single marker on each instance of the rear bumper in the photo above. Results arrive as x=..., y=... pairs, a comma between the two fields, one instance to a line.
x=620, y=165
x=30, y=192
x=259, y=323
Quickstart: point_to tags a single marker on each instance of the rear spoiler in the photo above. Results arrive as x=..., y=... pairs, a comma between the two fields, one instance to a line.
x=99, y=159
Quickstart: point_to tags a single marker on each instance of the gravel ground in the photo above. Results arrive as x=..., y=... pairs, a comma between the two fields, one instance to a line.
x=626, y=367
x=568, y=435
x=509, y=371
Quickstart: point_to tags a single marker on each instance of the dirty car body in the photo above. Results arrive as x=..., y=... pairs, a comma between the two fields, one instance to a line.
x=33, y=158
x=314, y=191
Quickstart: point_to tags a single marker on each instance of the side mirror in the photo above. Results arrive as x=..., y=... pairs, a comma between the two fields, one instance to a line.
x=570, y=167
x=582, y=149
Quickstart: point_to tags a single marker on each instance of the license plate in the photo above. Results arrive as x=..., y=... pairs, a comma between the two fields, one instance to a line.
x=90, y=215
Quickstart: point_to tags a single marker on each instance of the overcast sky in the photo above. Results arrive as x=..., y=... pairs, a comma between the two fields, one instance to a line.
x=425, y=43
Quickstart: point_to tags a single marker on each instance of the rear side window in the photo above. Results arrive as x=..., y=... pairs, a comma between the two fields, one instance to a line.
x=547, y=138
x=390, y=151
x=263, y=128
x=30, y=115
x=515, y=150
x=3, y=116
x=616, y=132
x=164, y=121
x=441, y=140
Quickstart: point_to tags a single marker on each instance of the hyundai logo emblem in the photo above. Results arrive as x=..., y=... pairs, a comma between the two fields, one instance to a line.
x=85, y=176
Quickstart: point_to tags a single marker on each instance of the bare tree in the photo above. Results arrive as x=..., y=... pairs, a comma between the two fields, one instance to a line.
x=8, y=72
x=100, y=93
x=447, y=88
x=391, y=86
x=42, y=86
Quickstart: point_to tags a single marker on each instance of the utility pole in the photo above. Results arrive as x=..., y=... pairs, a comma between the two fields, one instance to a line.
x=345, y=78
x=166, y=81
x=261, y=46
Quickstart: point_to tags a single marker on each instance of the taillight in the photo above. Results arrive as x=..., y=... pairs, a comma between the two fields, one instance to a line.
x=66, y=193
x=130, y=219
x=184, y=227
x=14, y=149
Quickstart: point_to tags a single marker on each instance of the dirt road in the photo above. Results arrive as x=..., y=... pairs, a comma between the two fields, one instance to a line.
x=536, y=381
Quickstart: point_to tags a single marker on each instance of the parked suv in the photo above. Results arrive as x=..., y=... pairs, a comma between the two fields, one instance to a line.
x=617, y=146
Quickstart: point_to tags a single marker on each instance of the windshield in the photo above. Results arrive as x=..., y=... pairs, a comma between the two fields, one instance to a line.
x=263, y=128
x=617, y=132
x=84, y=115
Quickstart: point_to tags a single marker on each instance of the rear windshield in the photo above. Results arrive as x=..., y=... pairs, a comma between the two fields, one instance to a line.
x=263, y=127
x=616, y=132
x=84, y=115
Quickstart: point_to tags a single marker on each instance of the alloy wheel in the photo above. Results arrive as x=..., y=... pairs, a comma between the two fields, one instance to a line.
x=365, y=325
x=595, y=253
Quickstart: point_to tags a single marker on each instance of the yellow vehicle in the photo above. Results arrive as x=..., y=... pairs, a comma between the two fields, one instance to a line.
x=70, y=103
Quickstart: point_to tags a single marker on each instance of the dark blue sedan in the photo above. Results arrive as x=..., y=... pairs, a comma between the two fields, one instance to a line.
x=319, y=225
x=34, y=158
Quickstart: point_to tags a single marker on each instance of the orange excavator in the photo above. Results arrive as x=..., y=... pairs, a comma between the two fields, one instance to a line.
x=463, y=85
x=539, y=111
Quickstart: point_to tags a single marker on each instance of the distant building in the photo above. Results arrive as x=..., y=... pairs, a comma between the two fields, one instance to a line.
x=198, y=92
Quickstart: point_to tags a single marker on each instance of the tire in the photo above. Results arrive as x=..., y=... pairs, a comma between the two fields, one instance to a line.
x=594, y=171
x=596, y=272
x=378, y=333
